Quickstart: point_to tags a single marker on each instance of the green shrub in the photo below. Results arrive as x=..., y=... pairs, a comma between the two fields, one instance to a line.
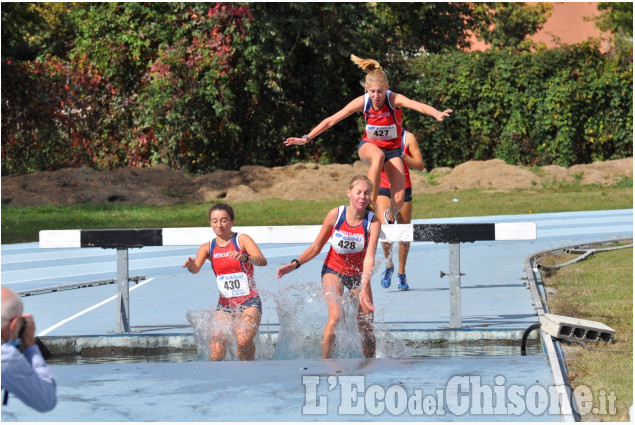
x=562, y=106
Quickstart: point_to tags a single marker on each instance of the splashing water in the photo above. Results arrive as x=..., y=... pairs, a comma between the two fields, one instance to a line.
x=301, y=312
x=302, y=315
x=205, y=325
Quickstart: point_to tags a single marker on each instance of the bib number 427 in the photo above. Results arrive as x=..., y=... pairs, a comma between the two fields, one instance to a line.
x=380, y=133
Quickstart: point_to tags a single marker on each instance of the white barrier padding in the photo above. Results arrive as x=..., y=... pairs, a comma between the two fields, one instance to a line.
x=260, y=234
x=184, y=236
x=281, y=234
x=60, y=238
x=515, y=231
x=189, y=236
x=273, y=234
x=396, y=233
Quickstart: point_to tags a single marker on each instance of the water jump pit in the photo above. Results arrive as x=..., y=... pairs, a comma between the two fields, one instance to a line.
x=301, y=314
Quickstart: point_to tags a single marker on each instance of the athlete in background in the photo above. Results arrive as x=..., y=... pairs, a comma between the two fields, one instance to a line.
x=411, y=155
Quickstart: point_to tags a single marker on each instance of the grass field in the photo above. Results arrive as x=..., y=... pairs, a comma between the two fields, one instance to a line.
x=599, y=289
x=23, y=224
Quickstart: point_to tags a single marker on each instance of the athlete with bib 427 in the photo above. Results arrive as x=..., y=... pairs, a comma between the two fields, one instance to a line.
x=354, y=233
x=381, y=143
x=233, y=256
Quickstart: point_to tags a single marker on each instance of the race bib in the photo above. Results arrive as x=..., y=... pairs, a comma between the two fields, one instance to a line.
x=347, y=243
x=381, y=132
x=233, y=285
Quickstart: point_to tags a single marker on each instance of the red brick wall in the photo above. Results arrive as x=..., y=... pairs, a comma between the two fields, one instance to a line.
x=567, y=23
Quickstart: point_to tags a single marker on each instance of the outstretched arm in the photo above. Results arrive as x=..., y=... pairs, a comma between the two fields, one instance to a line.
x=193, y=265
x=356, y=105
x=401, y=101
x=316, y=247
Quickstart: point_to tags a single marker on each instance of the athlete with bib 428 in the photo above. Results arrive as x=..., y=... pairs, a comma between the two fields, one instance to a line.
x=233, y=257
x=381, y=144
x=354, y=233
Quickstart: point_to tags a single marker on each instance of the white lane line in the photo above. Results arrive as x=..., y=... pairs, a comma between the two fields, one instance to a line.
x=81, y=313
x=21, y=276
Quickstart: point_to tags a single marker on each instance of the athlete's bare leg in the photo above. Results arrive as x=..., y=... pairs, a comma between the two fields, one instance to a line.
x=383, y=203
x=246, y=331
x=395, y=173
x=217, y=342
x=332, y=289
x=365, y=325
x=405, y=217
x=372, y=156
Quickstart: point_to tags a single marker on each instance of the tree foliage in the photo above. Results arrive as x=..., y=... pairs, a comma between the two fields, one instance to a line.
x=33, y=30
x=562, y=106
x=510, y=24
x=201, y=86
x=616, y=17
x=435, y=27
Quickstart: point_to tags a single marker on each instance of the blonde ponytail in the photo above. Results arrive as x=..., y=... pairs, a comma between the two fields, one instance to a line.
x=367, y=65
x=374, y=73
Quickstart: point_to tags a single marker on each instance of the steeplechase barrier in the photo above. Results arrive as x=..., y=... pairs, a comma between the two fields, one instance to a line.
x=123, y=239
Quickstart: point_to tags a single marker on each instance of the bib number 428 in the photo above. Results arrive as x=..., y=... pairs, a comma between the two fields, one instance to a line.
x=347, y=245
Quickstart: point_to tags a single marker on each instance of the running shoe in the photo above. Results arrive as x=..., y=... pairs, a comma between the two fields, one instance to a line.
x=386, y=218
x=385, y=281
x=403, y=285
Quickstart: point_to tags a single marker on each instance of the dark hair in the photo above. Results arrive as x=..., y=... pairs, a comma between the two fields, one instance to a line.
x=223, y=207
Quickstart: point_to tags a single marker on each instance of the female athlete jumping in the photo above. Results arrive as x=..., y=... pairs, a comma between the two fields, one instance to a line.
x=381, y=142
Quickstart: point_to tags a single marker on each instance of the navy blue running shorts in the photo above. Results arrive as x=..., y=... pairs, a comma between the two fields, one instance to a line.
x=388, y=153
x=350, y=282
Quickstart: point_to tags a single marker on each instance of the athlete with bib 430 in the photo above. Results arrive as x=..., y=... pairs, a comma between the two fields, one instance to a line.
x=380, y=146
x=354, y=232
x=233, y=256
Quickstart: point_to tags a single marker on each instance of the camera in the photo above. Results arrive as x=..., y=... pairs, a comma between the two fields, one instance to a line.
x=25, y=321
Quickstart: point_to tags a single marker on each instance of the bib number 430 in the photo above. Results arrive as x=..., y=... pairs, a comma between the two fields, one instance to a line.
x=232, y=284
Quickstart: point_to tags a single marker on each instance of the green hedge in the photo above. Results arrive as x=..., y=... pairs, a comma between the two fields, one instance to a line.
x=562, y=106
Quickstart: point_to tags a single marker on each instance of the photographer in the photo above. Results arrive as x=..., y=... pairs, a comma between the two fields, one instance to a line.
x=24, y=374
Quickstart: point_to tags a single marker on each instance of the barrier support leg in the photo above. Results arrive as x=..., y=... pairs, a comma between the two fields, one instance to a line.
x=455, y=285
x=123, y=298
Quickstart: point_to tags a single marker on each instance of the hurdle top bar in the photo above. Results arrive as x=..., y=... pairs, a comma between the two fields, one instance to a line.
x=186, y=236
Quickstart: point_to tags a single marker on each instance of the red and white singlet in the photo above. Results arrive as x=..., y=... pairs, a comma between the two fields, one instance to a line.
x=235, y=279
x=383, y=126
x=348, y=244
x=404, y=150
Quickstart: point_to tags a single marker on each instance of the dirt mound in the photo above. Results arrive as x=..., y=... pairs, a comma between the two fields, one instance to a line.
x=161, y=185
x=494, y=174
